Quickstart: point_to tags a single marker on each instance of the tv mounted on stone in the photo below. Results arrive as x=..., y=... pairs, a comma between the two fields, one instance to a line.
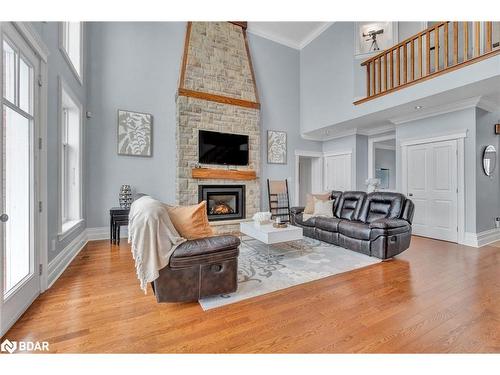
x=222, y=148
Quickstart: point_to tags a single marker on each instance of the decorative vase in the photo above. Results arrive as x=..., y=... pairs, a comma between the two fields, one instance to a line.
x=125, y=196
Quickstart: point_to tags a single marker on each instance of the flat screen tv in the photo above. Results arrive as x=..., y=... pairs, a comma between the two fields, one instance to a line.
x=222, y=148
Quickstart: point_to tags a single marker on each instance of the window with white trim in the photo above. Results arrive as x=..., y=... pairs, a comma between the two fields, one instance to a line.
x=71, y=190
x=71, y=44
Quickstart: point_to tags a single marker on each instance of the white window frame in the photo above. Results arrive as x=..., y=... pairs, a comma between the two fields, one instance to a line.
x=62, y=47
x=67, y=228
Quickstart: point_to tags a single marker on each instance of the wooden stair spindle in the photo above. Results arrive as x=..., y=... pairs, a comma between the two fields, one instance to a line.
x=466, y=41
x=412, y=59
x=477, y=38
x=428, y=53
x=391, y=77
x=420, y=72
x=436, y=48
x=368, y=89
x=489, y=31
x=386, y=63
x=379, y=75
x=398, y=66
x=445, y=47
x=455, y=43
x=405, y=63
x=374, y=89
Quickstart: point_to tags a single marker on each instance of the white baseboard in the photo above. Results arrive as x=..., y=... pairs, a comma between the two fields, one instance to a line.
x=59, y=264
x=482, y=238
x=102, y=233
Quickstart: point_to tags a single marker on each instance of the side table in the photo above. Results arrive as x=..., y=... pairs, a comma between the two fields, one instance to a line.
x=117, y=217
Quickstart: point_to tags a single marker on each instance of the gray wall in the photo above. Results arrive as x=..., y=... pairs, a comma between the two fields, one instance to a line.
x=387, y=159
x=136, y=66
x=487, y=188
x=448, y=123
x=57, y=66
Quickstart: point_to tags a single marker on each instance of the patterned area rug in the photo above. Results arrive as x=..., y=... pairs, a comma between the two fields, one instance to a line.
x=289, y=264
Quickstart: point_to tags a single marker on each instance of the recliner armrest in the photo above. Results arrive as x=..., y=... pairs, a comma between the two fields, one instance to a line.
x=297, y=210
x=389, y=223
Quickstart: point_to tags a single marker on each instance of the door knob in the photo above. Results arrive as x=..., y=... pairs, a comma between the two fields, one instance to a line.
x=4, y=218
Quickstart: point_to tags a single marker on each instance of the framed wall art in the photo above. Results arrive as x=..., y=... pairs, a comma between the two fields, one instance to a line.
x=135, y=133
x=276, y=147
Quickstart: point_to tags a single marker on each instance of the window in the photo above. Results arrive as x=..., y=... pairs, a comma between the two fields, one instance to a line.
x=71, y=181
x=71, y=46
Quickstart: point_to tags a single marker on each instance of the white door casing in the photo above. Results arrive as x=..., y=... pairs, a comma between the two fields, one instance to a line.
x=432, y=184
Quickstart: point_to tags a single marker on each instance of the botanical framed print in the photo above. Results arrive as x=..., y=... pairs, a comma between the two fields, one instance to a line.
x=135, y=133
x=276, y=147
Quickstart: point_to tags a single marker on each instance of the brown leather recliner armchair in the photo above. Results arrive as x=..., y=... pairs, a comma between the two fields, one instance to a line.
x=199, y=268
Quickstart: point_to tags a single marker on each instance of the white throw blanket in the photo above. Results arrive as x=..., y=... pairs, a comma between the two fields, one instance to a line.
x=153, y=238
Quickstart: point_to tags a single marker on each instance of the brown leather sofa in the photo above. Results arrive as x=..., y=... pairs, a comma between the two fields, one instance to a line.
x=199, y=268
x=376, y=224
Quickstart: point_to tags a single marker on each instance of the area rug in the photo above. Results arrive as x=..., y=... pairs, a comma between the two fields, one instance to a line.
x=289, y=264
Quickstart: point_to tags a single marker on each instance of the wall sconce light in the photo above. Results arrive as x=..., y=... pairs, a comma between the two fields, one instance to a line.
x=497, y=128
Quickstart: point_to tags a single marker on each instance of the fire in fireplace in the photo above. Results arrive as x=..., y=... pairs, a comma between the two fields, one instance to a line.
x=224, y=202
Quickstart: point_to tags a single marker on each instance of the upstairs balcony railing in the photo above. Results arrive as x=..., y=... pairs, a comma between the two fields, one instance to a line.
x=441, y=48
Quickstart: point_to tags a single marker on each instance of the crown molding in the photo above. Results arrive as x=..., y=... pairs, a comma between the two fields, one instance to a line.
x=488, y=105
x=289, y=42
x=377, y=130
x=284, y=41
x=438, y=110
x=314, y=34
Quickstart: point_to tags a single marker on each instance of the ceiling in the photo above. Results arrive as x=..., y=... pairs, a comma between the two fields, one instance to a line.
x=292, y=34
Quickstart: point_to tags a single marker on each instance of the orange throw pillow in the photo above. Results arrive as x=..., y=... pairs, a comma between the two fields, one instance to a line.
x=191, y=221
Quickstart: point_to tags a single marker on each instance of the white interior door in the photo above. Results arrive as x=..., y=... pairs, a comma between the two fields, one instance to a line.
x=432, y=185
x=338, y=172
x=20, y=282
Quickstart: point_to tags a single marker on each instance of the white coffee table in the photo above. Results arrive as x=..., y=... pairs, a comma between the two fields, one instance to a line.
x=269, y=235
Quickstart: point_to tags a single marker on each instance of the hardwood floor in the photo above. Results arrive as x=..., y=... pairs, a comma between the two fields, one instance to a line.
x=435, y=297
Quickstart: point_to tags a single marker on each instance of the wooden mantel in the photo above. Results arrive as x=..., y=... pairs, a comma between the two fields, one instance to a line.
x=225, y=174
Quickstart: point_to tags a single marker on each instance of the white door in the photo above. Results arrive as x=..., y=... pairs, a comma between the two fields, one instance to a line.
x=338, y=172
x=432, y=185
x=20, y=282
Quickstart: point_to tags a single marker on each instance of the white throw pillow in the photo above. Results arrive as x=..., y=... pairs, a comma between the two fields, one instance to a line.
x=323, y=208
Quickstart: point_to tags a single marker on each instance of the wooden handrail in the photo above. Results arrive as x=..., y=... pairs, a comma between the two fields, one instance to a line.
x=427, y=54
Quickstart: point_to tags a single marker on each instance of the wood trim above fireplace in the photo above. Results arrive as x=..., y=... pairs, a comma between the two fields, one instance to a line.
x=218, y=98
x=213, y=173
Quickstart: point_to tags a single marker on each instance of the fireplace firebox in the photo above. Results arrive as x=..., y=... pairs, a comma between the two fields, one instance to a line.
x=224, y=202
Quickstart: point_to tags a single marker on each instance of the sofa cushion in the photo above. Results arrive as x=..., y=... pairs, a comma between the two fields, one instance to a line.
x=349, y=205
x=379, y=205
x=310, y=222
x=355, y=229
x=309, y=208
x=330, y=224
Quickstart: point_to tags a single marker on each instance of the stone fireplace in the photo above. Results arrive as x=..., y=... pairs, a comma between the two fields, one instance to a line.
x=217, y=92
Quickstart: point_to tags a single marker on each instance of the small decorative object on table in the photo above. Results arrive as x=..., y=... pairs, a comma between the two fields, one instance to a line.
x=125, y=196
x=262, y=218
x=280, y=225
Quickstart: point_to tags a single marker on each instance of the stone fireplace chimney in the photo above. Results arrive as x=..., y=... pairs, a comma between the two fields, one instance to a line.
x=217, y=92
